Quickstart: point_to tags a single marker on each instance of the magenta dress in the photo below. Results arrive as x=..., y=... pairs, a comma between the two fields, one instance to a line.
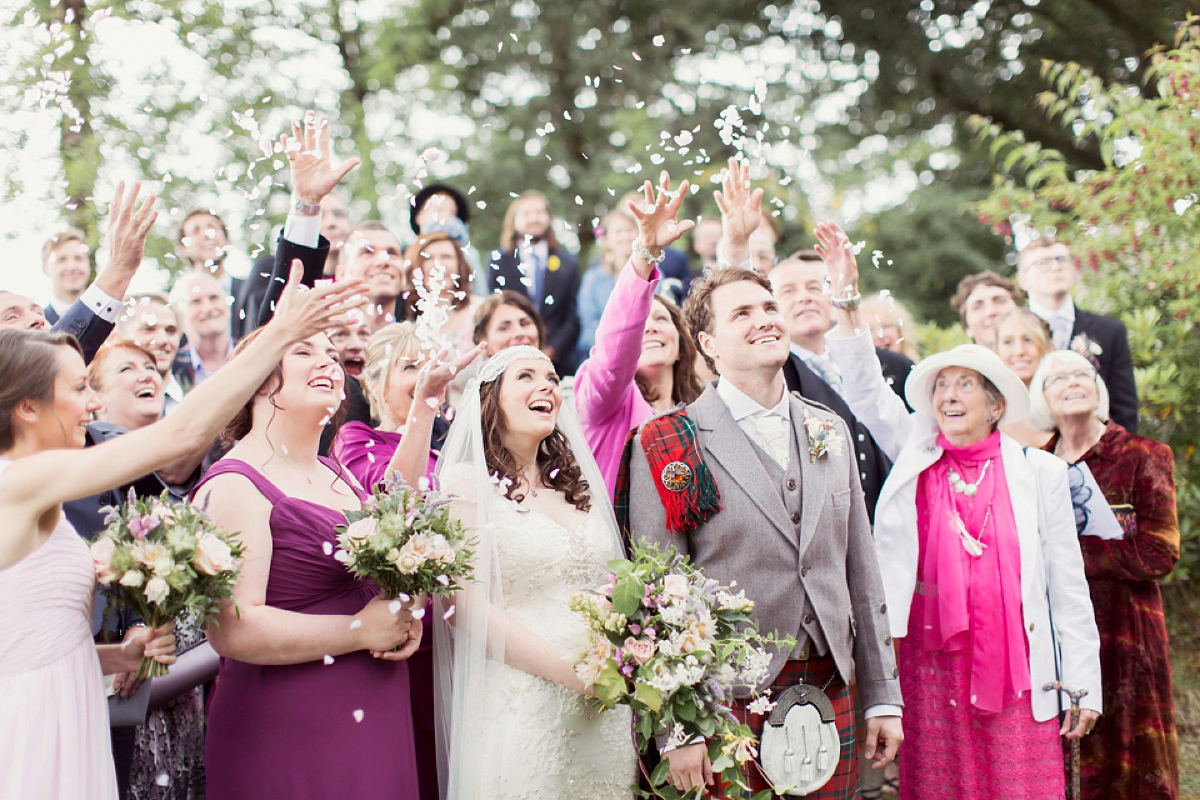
x=312, y=731
x=365, y=452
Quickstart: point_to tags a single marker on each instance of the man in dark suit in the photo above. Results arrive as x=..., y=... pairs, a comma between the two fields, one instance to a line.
x=1047, y=272
x=203, y=244
x=799, y=286
x=530, y=261
x=91, y=317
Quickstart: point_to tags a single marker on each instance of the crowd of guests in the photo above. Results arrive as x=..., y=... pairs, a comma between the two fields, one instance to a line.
x=1019, y=523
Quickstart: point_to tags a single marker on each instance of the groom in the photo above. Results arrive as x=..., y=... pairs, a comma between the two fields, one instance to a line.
x=789, y=525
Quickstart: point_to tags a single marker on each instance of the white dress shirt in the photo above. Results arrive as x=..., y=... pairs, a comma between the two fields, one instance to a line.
x=1061, y=321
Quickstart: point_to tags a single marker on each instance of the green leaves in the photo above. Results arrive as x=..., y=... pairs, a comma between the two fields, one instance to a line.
x=628, y=594
x=648, y=696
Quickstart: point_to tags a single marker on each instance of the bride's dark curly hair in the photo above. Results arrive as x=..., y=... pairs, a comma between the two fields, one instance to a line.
x=556, y=463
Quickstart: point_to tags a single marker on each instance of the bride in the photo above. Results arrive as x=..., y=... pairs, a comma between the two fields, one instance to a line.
x=514, y=720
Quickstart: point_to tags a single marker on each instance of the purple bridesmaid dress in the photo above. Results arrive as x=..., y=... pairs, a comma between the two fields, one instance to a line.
x=313, y=731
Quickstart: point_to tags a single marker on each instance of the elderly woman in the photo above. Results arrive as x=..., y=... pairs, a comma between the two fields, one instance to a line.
x=1021, y=339
x=1134, y=751
x=980, y=565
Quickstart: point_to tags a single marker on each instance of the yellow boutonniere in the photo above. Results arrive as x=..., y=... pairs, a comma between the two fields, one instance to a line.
x=553, y=263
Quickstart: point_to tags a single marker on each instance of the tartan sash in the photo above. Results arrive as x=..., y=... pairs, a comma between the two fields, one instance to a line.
x=684, y=482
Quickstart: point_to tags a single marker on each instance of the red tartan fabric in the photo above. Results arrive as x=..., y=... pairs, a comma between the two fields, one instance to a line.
x=844, y=783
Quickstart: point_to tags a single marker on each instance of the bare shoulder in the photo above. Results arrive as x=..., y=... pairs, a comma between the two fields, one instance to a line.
x=231, y=492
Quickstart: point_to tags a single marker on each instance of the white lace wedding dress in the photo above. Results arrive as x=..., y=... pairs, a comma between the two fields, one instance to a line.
x=553, y=742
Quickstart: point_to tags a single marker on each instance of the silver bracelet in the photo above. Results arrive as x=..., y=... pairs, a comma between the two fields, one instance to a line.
x=641, y=250
x=846, y=303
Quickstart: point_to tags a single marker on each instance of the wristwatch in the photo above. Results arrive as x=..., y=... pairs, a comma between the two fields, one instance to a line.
x=305, y=209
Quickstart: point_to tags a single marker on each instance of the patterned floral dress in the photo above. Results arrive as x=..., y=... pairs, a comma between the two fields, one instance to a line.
x=1134, y=750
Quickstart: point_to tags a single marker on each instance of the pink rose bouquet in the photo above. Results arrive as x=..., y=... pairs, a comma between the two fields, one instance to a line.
x=405, y=541
x=159, y=559
x=674, y=645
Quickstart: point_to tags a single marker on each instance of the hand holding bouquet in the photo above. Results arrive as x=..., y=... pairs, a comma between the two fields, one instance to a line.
x=673, y=645
x=159, y=560
x=405, y=541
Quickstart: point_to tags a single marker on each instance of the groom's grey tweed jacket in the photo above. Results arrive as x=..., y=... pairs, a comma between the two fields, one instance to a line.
x=798, y=542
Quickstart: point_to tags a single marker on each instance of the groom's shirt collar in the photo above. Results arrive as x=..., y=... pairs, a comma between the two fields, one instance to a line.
x=742, y=406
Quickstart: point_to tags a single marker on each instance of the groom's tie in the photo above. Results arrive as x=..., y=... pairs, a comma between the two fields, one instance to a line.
x=772, y=427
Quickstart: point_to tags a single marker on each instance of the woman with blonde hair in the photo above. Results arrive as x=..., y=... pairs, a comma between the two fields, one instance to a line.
x=1021, y=339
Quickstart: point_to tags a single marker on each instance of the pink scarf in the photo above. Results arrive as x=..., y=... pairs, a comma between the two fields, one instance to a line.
x=974, y=603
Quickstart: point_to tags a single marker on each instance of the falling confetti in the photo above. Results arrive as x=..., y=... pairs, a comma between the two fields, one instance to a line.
x=328, y=660
x=358, y=715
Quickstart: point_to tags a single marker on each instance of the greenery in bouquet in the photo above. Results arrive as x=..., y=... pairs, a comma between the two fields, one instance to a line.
x=160, y=559
x=406, y=542
x=674, y=645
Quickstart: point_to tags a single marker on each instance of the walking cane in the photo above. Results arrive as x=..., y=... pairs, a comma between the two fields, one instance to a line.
x=1076, y=696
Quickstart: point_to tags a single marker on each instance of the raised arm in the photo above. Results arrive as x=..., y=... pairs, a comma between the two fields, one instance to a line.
x=309, y=153
x=126, y=240
x=741, y=213
x=411, y=459
x=606, y=378
x=866, y=390
x=46, y=479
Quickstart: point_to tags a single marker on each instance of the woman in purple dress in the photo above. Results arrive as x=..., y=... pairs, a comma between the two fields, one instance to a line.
x=400, y=383
x=311, y=701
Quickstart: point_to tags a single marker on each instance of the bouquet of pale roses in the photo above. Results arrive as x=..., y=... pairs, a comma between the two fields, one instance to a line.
x=159, y=559
x=673, y=645
x=406, y=542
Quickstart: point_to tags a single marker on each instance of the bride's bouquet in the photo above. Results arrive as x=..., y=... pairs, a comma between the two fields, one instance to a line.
x=673, y=645
x=159, y=559
x=406, y=542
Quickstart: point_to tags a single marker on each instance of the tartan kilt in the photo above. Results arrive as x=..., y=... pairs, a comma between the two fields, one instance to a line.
x=844, y=783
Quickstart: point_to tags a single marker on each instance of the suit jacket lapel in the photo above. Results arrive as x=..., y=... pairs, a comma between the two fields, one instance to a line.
x=725, y=442
x=1022, y=483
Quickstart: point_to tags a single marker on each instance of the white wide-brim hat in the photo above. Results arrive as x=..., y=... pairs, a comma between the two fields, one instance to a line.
x=919, y=388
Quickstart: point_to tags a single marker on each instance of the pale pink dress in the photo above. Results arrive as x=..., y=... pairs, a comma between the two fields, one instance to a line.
x=54, y=741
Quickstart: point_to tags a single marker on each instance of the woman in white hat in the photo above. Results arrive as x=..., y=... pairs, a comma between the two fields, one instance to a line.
x=980, y=563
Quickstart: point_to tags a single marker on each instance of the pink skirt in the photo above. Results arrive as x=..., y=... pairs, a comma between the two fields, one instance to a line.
x=953, y=751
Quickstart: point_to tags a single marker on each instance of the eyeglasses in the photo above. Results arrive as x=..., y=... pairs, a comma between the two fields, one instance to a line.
x=1064, y=377
x=1050, y=261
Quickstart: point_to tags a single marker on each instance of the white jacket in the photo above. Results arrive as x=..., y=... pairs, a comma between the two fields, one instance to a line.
x=1052, y=575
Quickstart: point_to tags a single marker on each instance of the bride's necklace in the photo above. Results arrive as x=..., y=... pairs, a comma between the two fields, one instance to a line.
x=958, y=484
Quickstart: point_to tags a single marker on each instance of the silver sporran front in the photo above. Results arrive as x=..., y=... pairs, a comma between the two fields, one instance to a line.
x=800, y=746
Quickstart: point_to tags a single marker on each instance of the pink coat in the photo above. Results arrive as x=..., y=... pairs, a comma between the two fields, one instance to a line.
x=607, y=400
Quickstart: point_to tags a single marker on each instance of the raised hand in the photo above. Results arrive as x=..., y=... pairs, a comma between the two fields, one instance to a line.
x=437, y=373
x=302, y=312
x=741, y=210
x=127, y=228
x=657, y=226
x=838, y=254
x=308, y=152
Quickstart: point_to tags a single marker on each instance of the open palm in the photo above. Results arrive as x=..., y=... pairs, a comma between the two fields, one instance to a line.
x=657, y=226
x=308, y=152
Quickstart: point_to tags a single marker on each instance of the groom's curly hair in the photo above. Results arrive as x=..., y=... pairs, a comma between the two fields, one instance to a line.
x=557, y=466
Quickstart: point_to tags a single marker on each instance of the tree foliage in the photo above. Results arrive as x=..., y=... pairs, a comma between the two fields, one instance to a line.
x=1135, y=223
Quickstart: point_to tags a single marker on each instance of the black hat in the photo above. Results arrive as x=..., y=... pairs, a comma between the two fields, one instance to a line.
x=460, y=203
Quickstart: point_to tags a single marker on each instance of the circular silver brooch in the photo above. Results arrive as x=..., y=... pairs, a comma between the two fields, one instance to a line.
x=677, y=476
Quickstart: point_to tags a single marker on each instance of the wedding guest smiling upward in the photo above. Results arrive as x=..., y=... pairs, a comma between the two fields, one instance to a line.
x=981, y=300
x=374, y=255
x=203, y=246
x=67, y=263
x=1047, y=272
x=204, y=308
x=966, y=519
x=149, y=321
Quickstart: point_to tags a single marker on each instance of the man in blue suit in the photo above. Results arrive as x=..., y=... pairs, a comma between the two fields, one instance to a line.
x=66, y=260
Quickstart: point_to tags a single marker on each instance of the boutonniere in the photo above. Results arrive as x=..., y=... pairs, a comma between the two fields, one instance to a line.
x=823, y=438
x=553, y=263
x=1085, y=347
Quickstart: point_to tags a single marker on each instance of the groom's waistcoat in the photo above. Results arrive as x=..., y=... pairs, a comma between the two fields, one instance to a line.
x=796, y=540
